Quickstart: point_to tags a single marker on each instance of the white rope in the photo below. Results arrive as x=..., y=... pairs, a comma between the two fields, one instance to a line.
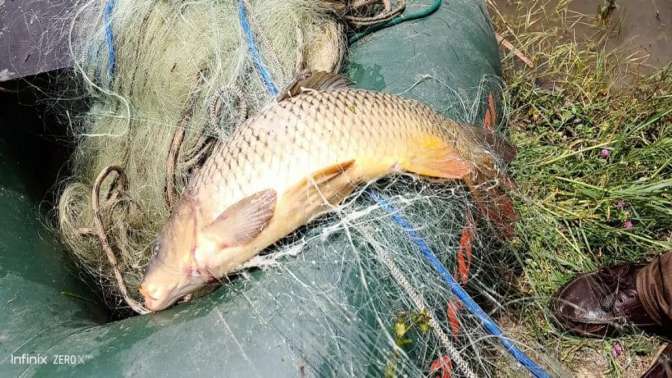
x=421, y=305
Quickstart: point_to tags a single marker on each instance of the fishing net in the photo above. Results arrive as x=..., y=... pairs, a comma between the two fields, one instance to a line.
x=176, y=78
x=352, y=293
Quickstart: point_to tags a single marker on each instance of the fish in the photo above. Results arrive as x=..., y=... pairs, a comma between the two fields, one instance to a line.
x=299, y=158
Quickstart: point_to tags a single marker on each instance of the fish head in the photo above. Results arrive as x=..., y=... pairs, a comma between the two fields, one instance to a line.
x=189, y=255
x=173, y=271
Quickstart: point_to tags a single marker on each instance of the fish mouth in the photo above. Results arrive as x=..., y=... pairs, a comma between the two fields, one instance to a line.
x=158, y=302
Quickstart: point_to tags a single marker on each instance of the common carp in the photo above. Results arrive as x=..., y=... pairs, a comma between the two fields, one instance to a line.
x=301, y=157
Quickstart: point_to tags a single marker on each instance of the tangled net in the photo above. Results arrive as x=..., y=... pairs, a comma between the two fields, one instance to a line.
x=179, y=79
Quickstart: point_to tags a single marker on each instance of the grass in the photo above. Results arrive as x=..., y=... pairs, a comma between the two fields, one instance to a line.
x=594, y=172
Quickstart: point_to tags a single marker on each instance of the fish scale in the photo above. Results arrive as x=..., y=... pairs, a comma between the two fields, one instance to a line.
x=302, y=134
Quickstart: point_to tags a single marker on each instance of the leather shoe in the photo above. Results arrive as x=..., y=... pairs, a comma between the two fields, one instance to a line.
x=603, y=303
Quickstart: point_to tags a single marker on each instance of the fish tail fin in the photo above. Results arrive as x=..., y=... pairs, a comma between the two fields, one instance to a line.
x=489, y=183
x=488, y=187
x=495, y=142
x=479, y=171
x=489, y=136
x=490, y=118
x=493, y=202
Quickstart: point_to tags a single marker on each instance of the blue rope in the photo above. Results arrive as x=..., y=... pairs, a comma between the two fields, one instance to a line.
x=455, y=287
x=109, y=37
x=459, y=292
x=259, y=65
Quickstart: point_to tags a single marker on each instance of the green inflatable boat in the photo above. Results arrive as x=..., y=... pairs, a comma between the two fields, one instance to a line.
x=332, y=310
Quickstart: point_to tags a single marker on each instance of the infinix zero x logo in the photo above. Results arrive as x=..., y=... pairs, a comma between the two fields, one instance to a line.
x=44, y=359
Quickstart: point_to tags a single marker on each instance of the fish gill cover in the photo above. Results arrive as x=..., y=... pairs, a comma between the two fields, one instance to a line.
x=350, y=293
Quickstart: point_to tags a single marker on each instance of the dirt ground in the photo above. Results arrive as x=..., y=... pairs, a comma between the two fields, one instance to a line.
x=641, y=30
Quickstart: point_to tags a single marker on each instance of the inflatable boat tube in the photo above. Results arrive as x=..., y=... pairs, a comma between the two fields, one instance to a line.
x=313, y=316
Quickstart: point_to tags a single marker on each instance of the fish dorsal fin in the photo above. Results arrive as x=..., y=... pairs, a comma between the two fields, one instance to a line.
x=241, y=222
x=318, y=80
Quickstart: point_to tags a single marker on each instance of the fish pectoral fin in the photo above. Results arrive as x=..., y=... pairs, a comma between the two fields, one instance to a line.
x=318, y=80
x=435, y=158
x=241, y=222
x=323, y=189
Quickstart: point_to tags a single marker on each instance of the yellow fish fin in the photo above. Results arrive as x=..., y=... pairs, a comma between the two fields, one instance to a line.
x=322, y=190
x=241, y=222
x=433, y=157
x=318, y=80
